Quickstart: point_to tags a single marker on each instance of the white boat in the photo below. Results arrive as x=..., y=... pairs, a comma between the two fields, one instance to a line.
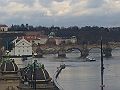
x=90, y=59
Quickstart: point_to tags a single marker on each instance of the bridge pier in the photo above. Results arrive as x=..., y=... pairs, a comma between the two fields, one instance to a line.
x=39, y=53
x=61, y=54
x=62, y=51
x=107, y=51
x=84, y=53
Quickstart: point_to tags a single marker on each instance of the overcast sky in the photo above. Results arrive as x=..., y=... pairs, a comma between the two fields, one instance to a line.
x=60, y=12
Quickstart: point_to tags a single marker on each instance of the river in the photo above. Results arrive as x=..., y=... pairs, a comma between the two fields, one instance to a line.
x=79, y=75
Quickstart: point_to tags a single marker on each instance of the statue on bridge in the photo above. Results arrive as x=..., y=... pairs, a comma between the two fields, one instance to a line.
x=39, y=52
x=84, y=51
x=107, y=51
x=62, y=51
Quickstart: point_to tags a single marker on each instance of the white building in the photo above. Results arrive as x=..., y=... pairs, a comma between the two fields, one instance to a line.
x=3, y=27
x=21, y=47
x=72, y=40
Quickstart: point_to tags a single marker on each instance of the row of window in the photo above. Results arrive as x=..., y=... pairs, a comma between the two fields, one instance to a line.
x=23, y=50
x=22, y=47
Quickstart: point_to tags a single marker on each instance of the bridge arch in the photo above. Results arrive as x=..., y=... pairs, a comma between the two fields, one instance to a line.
x=73, y=49
x=74, y=54
x=50, y=50
x=116, y=51
x=115, y=47
x=94, y=48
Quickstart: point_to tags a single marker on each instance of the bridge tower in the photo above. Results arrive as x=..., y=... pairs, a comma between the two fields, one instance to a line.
x=84, y=51
x=62, y=51
x=107, y=50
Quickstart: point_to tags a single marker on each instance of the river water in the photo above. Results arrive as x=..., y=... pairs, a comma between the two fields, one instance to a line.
x=79, y=75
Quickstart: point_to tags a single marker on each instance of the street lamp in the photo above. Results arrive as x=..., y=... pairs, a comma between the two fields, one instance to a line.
x=34, y=74
x=102, y=67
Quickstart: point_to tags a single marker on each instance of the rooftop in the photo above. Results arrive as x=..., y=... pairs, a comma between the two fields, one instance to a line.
x=3, y=25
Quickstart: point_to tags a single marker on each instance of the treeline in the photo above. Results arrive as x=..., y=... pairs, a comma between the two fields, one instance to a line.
x=87, y=34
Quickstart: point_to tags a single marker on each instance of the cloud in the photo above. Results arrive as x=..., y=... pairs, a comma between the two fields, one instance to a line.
x=60, y=12
x=60, y=8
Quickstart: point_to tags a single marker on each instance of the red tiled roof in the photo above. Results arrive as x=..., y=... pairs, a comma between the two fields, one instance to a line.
x=33, y=37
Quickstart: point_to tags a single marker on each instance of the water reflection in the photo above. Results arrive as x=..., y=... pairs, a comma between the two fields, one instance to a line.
x=116, y=51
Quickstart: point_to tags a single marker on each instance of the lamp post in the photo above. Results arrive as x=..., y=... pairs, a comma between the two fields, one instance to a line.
x=34, y=76
x=102, y=67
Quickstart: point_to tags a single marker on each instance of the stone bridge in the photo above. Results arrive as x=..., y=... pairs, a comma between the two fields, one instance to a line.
x=84, y=49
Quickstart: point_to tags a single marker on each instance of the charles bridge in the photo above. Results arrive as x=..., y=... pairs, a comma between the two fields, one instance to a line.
x=83, y=49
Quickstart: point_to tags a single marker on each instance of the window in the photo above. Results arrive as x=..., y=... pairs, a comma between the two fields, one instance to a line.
x=27, y=50
x=10, y=88
x=23, y=43
x=3, y=29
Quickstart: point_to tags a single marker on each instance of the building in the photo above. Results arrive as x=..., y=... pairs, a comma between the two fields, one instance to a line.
x=21, y=47
x=51, y=42
x=3, y=28
x=36, y=77
x=9, y=76
x=37, y=37
x=32, y=77
x=42, y=39
x=37, y=41
x=27, y=45
x=72, y=40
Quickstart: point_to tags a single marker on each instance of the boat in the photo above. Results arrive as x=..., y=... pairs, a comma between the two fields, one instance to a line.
x=90, y=59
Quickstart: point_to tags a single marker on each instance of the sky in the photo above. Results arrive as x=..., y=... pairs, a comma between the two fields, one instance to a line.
x=61, y=12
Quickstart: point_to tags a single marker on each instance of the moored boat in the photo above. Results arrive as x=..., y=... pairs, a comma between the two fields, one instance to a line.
x=90, y=59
